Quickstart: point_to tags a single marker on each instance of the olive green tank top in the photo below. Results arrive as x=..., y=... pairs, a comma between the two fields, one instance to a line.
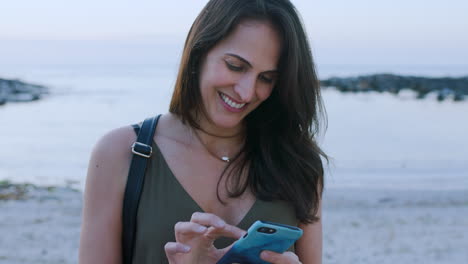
x=164, y=202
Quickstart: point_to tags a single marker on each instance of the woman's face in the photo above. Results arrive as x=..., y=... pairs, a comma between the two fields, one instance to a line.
x=239, y=73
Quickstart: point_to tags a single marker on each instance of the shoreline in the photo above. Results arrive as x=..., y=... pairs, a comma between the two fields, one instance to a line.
x=42, y=225
x=444, y=87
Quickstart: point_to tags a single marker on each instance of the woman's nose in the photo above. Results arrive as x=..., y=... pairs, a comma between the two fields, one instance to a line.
x=245, y=88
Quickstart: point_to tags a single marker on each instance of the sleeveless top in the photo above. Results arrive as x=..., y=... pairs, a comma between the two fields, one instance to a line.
x=164, y=202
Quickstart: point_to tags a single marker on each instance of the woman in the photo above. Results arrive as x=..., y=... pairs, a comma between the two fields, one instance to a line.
x=236, y=146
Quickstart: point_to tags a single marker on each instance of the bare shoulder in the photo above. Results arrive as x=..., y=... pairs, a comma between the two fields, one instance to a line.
x=113, y=148
x=110, y=159
x=105, y=185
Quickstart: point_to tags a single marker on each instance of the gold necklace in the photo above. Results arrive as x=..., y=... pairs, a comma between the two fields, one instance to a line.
x=224, y=158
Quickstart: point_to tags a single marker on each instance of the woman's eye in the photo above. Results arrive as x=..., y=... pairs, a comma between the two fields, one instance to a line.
x=265, y=79
x=234, y=67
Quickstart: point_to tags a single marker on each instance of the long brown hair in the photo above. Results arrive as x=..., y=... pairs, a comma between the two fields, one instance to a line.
x=280, y=153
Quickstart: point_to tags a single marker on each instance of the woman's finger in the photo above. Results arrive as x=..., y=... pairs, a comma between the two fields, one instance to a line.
x=228, y=231
x=188, y=229
x=278, y=258
x=207, y=219
x=172, y=248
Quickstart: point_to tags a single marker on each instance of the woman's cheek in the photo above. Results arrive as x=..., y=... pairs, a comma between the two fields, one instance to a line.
x=264, y=92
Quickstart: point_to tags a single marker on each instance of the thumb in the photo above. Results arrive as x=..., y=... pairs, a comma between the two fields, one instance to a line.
x=238, y=234
x=223, y=251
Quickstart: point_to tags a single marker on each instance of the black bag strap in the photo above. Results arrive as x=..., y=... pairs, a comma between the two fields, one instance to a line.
x=142, y=151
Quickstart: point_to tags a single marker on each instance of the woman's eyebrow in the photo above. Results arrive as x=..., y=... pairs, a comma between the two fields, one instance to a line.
x=240, y=58
x=247, y=62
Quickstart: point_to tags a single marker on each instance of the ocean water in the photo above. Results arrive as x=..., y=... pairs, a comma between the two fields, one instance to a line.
x=376, y=141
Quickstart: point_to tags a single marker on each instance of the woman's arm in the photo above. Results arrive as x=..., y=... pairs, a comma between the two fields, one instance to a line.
x=309, y=246
x=101, y=229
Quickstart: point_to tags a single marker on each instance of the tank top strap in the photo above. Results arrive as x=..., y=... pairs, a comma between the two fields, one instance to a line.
x=136, y=128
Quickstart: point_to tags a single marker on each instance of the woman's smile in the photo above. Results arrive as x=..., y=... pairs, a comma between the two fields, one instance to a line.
x=230, y=104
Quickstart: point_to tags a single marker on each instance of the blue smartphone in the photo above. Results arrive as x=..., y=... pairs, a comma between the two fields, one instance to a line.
x=261, y=236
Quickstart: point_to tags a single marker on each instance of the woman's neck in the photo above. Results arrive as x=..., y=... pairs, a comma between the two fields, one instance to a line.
x=222, y=142
x=208, y=127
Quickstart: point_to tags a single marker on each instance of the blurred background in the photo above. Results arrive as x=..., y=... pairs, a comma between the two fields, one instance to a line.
x=113, y=63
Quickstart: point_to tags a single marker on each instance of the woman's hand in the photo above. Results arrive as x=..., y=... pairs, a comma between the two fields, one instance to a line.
x=277, y=258
x=194, y=240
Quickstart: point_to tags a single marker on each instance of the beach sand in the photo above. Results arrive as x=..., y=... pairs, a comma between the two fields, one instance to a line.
x=362, y=226
x=42, y=225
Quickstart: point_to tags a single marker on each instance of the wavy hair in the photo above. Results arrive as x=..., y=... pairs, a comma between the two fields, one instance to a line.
x=281, y=155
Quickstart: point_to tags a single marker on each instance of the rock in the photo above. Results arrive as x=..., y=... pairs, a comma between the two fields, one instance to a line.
x=19, y=91
x=458, y=97
x=9, y=191
x=456, y=88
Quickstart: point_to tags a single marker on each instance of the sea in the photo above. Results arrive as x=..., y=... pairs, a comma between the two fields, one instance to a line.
x=374, y=140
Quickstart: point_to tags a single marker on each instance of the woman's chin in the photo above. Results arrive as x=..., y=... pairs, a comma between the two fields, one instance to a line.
x=225, y=123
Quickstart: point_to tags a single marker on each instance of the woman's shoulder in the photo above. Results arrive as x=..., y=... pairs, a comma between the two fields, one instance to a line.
x=115, y=145
x=111, y=156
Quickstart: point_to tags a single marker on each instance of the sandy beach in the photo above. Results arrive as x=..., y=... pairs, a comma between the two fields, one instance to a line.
x=42, y=225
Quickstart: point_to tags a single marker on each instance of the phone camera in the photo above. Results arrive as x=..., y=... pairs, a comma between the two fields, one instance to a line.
x=266, y=230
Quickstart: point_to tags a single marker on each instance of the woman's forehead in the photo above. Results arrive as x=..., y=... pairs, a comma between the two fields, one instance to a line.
x=257, y=42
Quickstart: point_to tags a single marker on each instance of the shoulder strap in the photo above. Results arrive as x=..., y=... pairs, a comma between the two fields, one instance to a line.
x=142, y=151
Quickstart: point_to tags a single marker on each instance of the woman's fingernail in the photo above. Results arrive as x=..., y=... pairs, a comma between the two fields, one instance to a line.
x=220, y=223
x=264, y=255
x=185, y=249
x=201, y=229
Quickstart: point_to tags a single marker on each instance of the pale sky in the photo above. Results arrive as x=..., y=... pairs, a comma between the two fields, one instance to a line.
x=341, y=32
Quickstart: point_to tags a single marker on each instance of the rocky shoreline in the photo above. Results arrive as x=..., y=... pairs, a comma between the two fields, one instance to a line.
x=19, y=91
x=445, y=88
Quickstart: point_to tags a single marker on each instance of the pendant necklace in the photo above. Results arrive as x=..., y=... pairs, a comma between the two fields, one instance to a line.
x=224, y=158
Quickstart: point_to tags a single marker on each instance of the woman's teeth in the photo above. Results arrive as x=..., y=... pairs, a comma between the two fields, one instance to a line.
x=231, y=103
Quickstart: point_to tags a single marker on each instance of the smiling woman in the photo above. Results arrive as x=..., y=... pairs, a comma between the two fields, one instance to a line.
x=238, y=145
x=237, y=75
